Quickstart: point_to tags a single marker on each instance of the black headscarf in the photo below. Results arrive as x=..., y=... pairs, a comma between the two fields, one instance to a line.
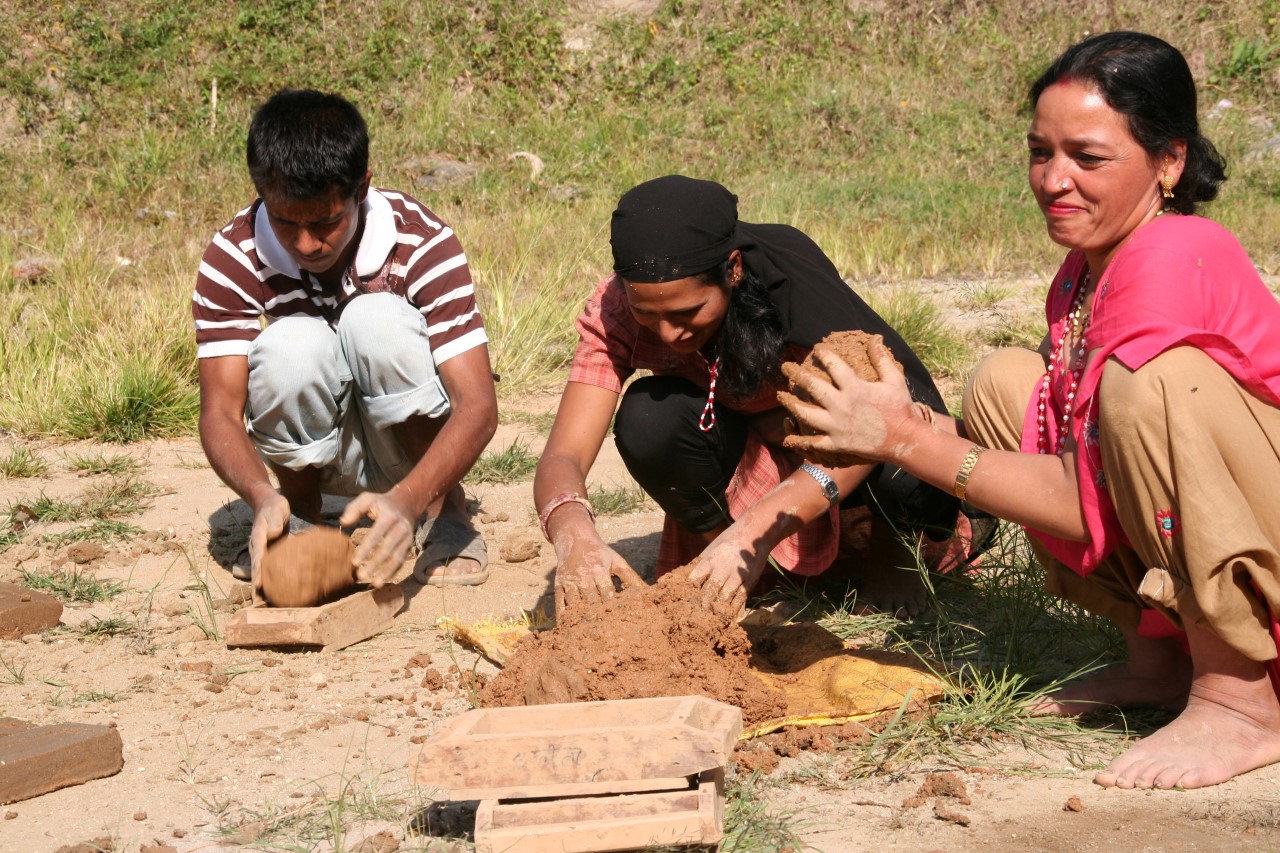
x=674, y=227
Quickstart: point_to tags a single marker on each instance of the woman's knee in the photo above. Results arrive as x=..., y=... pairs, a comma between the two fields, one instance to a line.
x=996, y=397
x=653, y=414
x=1129, y=399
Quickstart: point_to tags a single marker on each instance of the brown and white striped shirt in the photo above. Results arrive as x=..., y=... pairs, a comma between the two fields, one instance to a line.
x=246, y=275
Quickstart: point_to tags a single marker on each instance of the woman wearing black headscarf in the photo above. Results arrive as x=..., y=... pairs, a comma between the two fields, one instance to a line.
x=713, y=306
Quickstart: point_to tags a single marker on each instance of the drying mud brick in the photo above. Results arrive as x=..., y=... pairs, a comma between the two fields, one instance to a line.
x=331, y=626
x=645, y=641
x=26, y=611
x=35, y=760
x=592, y=748
x=853, y=347
x=308, y=568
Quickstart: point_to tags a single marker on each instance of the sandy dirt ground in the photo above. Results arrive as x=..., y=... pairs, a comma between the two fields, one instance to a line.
x=229, y=749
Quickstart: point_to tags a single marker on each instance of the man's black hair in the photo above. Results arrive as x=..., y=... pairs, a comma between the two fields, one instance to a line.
x=304, y=144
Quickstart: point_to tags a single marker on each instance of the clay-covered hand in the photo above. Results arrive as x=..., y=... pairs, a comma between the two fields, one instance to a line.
x=387, y=544
x=586, y=567
x=729, y=567
x=270, y=522
x=848, y=416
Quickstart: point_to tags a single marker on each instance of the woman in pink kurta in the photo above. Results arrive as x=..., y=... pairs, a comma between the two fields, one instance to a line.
x=1140, y=446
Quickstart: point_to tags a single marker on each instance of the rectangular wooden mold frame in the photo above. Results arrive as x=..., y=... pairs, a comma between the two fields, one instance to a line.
x=599, y=824
x=331, y=626
x=577, y=749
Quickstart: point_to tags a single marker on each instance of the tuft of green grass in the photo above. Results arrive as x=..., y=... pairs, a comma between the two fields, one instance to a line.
x=922, y=324
x=204, y=616
x=619, y=500
x=539, y=422
x=99, y=628
x=752, y=826
x=1250, y=60
x=21, y=463
x=98, y=462
x=999, y=642
x=97, y=696
x=76, y=586
x=12, y=672
x=513, y=463
x=100, y=530
x=140, y=401
x=1015, y=332
x=116, y=497
x=983, y=295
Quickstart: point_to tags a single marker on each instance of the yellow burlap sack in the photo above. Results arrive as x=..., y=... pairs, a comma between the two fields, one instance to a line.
x=497, y=638
x=825, y=683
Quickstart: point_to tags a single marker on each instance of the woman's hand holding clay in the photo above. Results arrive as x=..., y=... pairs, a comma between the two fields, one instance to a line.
x=848, y=419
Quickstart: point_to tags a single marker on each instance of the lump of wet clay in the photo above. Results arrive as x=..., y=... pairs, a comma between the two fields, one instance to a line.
x=854, y=347
x=305, y=569
x=645, y=641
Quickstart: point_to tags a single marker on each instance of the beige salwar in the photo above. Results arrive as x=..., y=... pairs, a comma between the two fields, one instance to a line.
x=1192, y=465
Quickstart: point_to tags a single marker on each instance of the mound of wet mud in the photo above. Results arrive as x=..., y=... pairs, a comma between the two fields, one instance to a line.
x=646, y=641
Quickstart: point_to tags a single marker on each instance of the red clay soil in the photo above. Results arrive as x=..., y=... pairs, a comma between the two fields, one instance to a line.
x=646, y=641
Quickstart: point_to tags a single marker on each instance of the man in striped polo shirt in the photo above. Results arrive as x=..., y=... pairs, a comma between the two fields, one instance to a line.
x=339, y=343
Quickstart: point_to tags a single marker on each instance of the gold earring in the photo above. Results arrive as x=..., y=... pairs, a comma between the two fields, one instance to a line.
x=1166, y=184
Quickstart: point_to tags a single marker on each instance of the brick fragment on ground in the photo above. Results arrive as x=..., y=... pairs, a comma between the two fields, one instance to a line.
x=35, y=760
x=25, y=611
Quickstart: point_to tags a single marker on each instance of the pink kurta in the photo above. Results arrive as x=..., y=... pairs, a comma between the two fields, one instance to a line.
x=1178, y=281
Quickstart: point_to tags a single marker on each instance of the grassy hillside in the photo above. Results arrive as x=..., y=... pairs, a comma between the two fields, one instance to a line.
x=892, y=132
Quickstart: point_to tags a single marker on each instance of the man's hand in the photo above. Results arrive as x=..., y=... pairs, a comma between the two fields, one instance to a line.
x=270, y=522
x=586, y=567
x=387, y=544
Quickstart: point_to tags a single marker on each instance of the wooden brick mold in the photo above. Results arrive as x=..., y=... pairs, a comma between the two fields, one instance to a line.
x=600, y=824
x=331, y=626
x=576, y=749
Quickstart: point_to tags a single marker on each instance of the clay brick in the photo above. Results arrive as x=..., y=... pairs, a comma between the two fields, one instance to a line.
x=26, y=611
x=40, y=759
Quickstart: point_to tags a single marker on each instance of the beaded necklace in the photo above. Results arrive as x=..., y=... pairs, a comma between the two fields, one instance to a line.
x=1076, y=322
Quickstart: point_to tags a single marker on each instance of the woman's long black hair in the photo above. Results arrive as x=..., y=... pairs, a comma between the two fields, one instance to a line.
x=750, y=342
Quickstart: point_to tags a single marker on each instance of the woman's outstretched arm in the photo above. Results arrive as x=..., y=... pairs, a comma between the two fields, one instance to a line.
x=876, y=420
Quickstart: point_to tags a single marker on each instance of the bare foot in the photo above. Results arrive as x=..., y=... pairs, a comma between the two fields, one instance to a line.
x=1231, y=725
x=1123, y=685
x=1219, y=736
x=1157, y=674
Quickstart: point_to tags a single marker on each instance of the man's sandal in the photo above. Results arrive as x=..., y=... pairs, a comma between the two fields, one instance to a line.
x=442, y=540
